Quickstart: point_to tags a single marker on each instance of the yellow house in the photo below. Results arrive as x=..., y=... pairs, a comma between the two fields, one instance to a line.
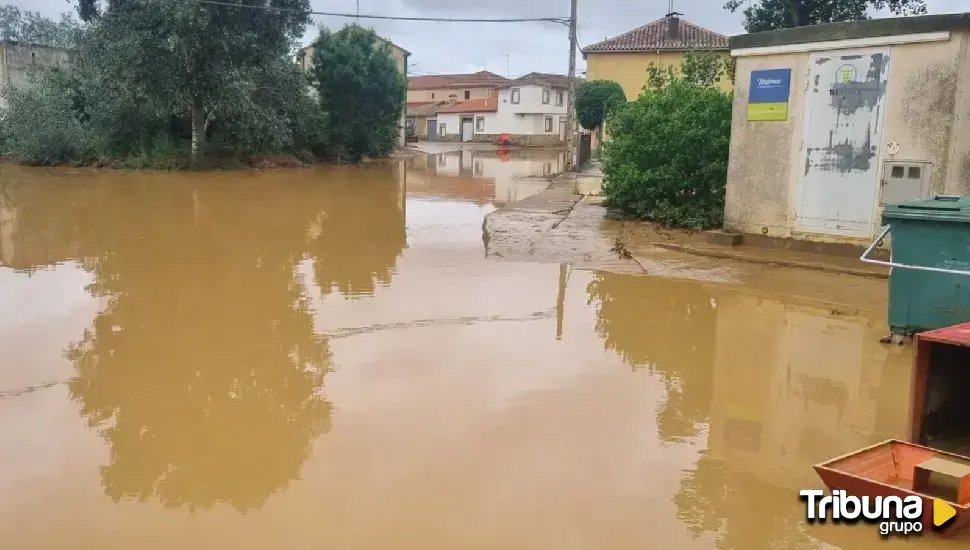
x=664, y=42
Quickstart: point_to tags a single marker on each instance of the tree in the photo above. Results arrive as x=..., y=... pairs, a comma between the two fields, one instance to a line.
x=699, y=67
x=189, y=57
x=766, y=15
x=361, y=88
x=594, y=101
x=32, y=27
x=668, y=151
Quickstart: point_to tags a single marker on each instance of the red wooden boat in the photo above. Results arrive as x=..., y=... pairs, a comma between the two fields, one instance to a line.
x=887, y=469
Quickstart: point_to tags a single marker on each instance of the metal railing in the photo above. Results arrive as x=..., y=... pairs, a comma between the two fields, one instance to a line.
x=890, y=263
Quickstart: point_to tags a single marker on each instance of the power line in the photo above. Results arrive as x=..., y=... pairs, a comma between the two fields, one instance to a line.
x=560, y=20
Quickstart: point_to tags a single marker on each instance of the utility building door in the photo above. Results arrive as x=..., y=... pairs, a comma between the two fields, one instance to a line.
x=844, y=107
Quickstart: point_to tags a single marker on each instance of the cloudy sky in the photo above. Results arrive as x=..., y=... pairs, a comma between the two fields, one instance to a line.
x=520, y=47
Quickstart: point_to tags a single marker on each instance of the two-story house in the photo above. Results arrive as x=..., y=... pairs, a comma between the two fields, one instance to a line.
x=664, y=42
x=531, y=110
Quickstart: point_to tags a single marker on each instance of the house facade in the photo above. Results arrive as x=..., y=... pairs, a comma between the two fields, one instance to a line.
x=625, y=58
x=833, y=122
x=304, y=58
x=531, y=110
x=454, y=87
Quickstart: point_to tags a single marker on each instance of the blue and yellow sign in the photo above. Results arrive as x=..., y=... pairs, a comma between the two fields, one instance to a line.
x=768, y=94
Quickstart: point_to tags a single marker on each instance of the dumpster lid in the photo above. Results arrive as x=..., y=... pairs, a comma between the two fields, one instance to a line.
x=941, y=207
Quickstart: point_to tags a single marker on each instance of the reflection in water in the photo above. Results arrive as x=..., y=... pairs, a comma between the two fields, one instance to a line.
x=793, y=385
x=775, y=386
x=484, y=176
x=356, y=240
x=666, y=326
x=203, y=372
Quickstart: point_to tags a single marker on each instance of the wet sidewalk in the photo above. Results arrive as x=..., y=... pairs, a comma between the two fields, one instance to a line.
x=568, y=223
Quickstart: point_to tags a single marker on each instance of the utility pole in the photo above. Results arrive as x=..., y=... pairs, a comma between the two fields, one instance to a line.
x=571, y=103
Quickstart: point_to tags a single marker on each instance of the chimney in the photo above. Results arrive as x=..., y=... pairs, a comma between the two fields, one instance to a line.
x=673, y=26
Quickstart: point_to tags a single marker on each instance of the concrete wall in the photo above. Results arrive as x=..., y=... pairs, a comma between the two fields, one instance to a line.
x=19, y=60
x=927, y=114
x=442, y=94
x=630, y=69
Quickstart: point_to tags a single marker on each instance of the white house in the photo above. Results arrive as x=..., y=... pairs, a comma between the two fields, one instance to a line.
x=531, y=110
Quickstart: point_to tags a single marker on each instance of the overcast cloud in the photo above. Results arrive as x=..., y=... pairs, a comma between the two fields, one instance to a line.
x=465, y=47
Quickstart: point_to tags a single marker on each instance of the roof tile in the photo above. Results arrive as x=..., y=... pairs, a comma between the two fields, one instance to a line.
x=653, y=36
x=481, y=79
x=489, y=104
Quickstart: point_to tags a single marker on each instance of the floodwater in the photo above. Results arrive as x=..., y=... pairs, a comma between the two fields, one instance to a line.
x=325, y=359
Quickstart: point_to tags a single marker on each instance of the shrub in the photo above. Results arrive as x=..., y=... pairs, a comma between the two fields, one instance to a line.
x=667, y=155
x=40, y=125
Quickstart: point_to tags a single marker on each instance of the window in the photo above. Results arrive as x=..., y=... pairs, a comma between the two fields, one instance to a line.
x=468, y=94
x=441, y=129
x=559, y=99
x=548, y=123
x=432, y=95
x=545, y=97
x=515, y=96
x=478, y=168
x=914, y=172
x=480, y=124
x=897, y=171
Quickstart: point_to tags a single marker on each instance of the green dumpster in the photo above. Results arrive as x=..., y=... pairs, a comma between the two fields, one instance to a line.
x=929, y=282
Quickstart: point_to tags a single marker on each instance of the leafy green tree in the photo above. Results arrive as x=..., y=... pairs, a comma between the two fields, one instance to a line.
x=362, y=90
x=668, y=151
x=594, y=101
x=32, y=27
x=766, y=15
x=188, y=57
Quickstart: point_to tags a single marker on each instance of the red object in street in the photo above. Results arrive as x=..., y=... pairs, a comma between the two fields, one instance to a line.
x=503, y=139
x=888, y=469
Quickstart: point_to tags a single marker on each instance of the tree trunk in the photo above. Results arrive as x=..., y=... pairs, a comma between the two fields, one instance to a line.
x=198, y=132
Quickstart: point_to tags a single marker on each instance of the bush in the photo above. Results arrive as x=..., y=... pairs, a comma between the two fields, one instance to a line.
x=40, y=125
x=667, y=155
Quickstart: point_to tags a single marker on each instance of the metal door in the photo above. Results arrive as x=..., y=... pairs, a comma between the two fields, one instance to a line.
x=844, y=106
x=432, y=130
x=467, y=129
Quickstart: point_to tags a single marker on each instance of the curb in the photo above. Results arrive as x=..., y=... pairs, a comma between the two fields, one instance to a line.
x=776, y=263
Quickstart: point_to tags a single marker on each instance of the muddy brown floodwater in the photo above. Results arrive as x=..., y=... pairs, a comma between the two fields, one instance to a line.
x=325, y=359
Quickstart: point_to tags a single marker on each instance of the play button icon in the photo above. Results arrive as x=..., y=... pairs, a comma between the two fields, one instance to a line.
x=942, y=512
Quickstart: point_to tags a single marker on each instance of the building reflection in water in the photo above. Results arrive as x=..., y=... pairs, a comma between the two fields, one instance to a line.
x=484, y=176
x=774, y=384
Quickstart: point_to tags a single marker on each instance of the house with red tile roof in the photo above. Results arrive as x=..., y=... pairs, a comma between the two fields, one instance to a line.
x=663, y=42
x=531, y=110
x=459, y=87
